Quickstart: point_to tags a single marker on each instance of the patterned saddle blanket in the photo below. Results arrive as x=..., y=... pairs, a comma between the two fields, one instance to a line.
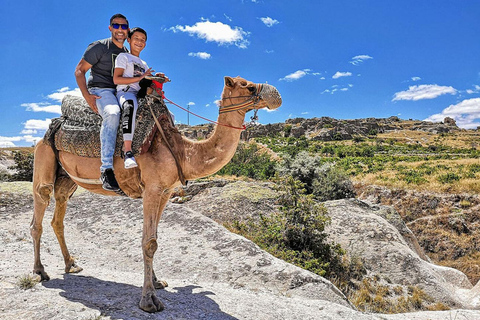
x=78, y=129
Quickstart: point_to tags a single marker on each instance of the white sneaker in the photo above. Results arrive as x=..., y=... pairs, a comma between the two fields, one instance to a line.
x=130, y=161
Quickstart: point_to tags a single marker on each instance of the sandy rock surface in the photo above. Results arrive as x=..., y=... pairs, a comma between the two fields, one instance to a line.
x=212, y=274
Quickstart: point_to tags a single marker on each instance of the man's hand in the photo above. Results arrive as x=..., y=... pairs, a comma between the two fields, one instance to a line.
x=92, y=101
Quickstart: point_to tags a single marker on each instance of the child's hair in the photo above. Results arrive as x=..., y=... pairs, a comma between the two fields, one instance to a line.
x=137, y=29
x=118, y=15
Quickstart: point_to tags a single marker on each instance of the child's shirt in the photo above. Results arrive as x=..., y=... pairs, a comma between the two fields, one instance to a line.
x=133, y=67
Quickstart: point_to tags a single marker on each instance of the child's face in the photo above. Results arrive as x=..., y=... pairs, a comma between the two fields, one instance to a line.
x=137, y=41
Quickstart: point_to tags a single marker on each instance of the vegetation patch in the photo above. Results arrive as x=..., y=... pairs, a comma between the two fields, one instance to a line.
x=26, y=282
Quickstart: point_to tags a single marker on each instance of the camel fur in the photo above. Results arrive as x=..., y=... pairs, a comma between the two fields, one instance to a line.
x=153, y=180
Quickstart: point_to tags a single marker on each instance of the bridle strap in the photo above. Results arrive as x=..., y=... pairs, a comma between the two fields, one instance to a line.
x=253, y=99
x=239, y=106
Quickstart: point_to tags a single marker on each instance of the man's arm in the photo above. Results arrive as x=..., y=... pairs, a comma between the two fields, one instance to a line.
x=80, y=71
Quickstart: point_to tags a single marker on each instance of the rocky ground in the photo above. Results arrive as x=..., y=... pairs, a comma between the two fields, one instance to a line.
x=212, y=273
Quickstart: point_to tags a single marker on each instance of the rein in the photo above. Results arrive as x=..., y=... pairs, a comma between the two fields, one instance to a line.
x=253, y=100
x=243, y=127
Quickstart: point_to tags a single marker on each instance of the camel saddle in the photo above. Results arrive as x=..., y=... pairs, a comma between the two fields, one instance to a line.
x=78, y=129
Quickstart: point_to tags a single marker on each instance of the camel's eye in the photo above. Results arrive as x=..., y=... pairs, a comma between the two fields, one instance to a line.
x=252, y=89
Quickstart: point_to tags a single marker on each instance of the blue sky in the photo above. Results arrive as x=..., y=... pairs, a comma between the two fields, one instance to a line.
x=341, y=59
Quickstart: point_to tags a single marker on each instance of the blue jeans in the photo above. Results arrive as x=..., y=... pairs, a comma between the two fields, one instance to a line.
x=109, y=109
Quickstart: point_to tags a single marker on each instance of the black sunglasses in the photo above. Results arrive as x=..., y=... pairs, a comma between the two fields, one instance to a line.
x=118, y=25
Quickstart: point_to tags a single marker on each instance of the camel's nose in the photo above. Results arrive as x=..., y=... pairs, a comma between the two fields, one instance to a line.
x=270, y=95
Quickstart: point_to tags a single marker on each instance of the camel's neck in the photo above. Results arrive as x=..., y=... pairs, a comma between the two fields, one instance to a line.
x=206, y=157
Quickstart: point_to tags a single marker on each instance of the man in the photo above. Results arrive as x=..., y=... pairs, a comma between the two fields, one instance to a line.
x=100, y=91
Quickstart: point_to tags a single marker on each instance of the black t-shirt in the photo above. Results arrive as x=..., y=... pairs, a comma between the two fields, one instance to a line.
x=101, y=55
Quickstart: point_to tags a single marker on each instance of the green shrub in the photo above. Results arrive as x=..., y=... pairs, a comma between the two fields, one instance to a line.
x=297, y=232
x=413, y=176
x=332, y=184
x=448, y=177
x=23, y=166
x=324, y=181
x=249, y=162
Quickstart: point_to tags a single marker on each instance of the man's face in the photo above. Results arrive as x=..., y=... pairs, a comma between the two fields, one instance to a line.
x=117, y=29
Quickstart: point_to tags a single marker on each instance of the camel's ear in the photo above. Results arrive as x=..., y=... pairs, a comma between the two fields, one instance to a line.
x=229, y=82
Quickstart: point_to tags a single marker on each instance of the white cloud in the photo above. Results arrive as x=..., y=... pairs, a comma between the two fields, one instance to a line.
x=296, y=75
x=35, y=124
x=6, y=142
x=201, y=55
x=465, y=113
x=339, y=74
x=359, y=59
x=269, y=22
x=476, y=90
x=42, y=107
x=416, y=78
x=61, y=93
x=218, y=32
x=57, y=95
x=424, y=91
x=29, y=131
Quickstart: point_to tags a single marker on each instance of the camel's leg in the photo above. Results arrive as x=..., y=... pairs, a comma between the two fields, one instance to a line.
x=63, y=190
x=44, y=169
x=154, y=202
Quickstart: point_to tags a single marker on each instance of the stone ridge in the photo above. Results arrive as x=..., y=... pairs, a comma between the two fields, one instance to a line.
x=329, y=129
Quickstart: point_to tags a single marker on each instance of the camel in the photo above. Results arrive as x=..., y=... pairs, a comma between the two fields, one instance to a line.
x=154, y=179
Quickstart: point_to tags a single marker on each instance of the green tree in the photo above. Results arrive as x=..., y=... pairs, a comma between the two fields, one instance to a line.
x=23, y=166
x=323, y=180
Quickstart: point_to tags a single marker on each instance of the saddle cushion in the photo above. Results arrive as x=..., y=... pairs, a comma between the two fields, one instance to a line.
x=78, y=129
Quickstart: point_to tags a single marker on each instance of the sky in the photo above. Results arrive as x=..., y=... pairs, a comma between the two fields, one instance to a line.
x=334, y=58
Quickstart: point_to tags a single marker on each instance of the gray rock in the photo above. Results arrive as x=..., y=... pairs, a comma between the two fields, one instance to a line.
x=374, y=234
x=212, y=273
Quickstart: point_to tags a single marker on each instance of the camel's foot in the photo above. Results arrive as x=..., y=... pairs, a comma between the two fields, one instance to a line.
x=74, y=268
x=160, y=284
x=40, y=275
x=150, y=303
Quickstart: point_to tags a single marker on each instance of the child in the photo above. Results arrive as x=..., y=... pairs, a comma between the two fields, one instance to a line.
x=129, y=70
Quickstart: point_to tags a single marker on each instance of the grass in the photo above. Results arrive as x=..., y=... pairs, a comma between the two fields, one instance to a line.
x=26, y=282
x=373, y=295
x=448, y=176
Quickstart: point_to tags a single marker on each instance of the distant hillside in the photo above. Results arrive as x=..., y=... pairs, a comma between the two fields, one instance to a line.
x=330, y=129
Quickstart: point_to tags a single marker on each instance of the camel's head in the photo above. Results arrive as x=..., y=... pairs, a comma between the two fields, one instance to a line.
x=240, y=94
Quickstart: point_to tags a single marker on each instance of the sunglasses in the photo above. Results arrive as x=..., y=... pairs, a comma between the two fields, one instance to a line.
x=118, y=25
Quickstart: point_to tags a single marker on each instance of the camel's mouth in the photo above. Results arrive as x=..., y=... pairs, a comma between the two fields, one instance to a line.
x=270, y=95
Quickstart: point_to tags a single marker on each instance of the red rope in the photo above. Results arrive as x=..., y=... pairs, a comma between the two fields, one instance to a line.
x=243, y=127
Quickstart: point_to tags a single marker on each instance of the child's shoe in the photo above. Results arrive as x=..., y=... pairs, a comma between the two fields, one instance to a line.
x=130, y=160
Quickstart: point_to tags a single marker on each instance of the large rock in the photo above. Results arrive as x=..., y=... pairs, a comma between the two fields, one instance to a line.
x=212, y=274
x=374, y=233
